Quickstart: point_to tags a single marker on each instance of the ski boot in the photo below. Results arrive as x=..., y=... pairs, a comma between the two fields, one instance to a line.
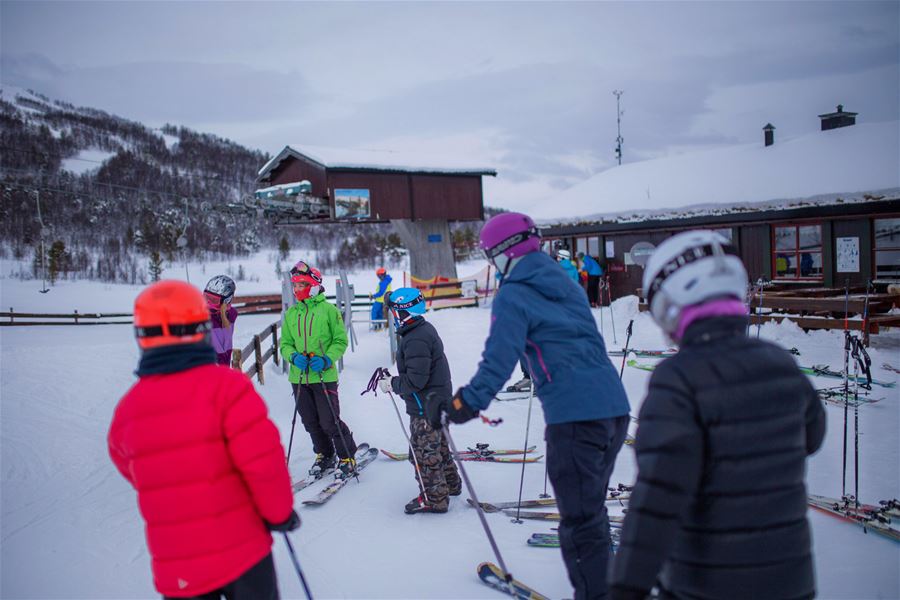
x=523, y=385
x=322, y=465
x=346, y=468
x=419, y=505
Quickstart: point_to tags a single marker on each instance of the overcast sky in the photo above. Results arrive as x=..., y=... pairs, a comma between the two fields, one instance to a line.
x=525, y=88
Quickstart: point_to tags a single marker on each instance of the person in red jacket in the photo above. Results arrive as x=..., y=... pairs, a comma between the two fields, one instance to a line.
x=195, y=441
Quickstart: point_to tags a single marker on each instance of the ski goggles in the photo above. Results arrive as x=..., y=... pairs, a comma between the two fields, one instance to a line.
x=213, y=299
x=303, y=273
x=513, y=240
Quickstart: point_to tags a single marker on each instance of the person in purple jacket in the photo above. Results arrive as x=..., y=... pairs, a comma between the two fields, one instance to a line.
x=219, y=293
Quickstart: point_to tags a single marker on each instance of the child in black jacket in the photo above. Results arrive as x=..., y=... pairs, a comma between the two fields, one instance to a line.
x=423, y=381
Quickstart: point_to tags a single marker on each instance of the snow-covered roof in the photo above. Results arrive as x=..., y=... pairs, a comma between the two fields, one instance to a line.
x=848, y=164
x=379, y=160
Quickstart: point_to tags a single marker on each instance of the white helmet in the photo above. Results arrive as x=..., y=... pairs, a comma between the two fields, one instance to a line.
x=563, y=254
x=690, y=268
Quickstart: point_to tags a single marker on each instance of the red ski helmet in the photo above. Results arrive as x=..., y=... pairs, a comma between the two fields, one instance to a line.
x=169, y=313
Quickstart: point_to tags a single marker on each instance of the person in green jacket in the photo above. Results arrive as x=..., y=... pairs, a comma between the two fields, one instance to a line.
x=313, y=339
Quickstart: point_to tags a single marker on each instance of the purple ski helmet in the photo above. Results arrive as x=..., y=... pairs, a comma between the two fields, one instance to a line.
x=510, y=234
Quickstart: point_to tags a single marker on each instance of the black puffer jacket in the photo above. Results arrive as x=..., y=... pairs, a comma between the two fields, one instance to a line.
x=719, y=506
x=424, y=373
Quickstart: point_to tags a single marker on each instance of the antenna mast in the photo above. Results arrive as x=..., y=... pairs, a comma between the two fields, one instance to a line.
x=619, y=139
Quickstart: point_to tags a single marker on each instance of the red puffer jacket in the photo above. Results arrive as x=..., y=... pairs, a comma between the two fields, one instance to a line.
x=208, y=467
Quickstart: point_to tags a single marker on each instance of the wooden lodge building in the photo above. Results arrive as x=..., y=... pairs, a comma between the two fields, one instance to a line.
x=815, y=211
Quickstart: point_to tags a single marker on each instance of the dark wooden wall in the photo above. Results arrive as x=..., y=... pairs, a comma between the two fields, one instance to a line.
x=754, y=244
x=861, y=228
x=455, y=197
x=388, y=192
x=292, y=170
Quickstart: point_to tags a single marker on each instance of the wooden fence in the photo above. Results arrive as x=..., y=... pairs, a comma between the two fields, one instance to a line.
x=254, y=349
x=72, y=318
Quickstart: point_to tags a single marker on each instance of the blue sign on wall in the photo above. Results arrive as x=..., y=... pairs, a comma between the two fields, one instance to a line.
x=434, y=238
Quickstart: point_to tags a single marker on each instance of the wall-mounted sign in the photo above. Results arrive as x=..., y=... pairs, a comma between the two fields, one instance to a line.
x=434, y=238
x=468, y=288
x=847, y=255
x=640, y=253
x=616, y=268
x=610, y=249
x=352, y=204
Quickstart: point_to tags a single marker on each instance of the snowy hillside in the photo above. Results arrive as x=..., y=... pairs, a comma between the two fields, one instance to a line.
x=848, y=164
x=70, y=528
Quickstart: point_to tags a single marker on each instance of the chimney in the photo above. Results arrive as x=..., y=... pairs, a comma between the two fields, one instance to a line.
x=769, y=133
x=839, y=118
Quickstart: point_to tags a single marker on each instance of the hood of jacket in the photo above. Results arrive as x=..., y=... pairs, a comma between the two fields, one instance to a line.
x=538, y=271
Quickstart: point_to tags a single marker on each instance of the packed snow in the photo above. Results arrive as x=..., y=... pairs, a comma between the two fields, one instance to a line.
x=86, y=160
x=848, y=164
x=71, y=529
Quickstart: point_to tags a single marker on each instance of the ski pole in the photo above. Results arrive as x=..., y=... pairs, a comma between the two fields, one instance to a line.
x=857, y=359
x=865, y=321
x=337, y=421
x=287, y=541
x=545, y=494
x=761, y=283
x=471, y=489
x=625, y=350
x=412, y=450
x=846, y=382
x=293, y=424
x=602, y=285
x=612, y=313
x=524, y=454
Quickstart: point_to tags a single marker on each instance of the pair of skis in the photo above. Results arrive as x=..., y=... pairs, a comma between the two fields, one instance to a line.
x=481, y=453
x=311, y=479
x=875, y=518
x=551, y=540
x=488, y=507
x=363, y=458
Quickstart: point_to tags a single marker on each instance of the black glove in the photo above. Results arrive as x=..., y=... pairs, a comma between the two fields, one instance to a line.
x=457, y=409
x=434, y=406
x=292, y=523
x=623, y=593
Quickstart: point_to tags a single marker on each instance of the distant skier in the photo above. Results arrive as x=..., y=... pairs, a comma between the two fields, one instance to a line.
x=719, y=506
x=592, y=269
x=541, y=314
x=313, y=339
x=195, y=442
x=219, y=293
x=565, y=261
x=384, y=286
x=423, y=381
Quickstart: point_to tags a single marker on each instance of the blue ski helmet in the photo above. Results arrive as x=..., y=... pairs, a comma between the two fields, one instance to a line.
x=405, y=305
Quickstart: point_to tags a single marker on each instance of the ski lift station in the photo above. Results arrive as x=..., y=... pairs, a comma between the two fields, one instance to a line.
x=301, y=186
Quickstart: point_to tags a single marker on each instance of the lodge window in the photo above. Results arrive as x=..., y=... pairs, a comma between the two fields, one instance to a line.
x=887, y=248
x=797, y=251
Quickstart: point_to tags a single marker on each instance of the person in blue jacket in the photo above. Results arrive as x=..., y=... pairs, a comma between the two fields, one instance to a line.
x=565, y=261
x=540, y=314
x=384, y=286
x=594, y=272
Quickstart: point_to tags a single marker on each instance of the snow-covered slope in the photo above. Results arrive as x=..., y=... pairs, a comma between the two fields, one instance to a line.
x=70, y=526
x=839, y=165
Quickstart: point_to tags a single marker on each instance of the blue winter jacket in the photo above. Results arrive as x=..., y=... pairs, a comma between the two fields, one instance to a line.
x=570, y=269
x=591, y=266
x=542, y=314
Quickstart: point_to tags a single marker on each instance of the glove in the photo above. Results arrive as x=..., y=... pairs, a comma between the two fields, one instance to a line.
x=457, y=409
x=434, y=406
x=292, y=523
x=385, y=385
x=300, y=361
x=319, y=363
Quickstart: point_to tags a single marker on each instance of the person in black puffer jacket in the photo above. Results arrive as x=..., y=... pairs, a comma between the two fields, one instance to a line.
x=424, y=383
x=719, y=506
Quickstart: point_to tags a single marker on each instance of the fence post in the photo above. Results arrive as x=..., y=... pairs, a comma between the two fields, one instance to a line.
x=76, y=316
x=11, y=319
x=236, y=359
x=275, y=353
x=257, y=351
